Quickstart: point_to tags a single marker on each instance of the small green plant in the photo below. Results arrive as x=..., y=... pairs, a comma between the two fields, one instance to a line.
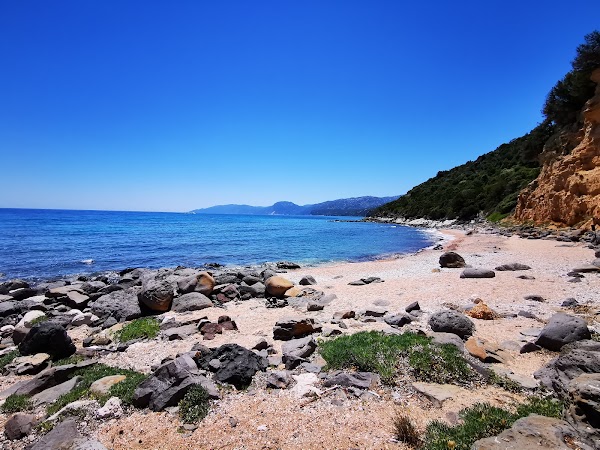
x=405, y=431
x=496, y=217
x=38, y=320
x=73, y=359
x=145, y=328
x=504, y=382
x=384, y=354
x=45, y=427
x=483, y=420
x=8, y=358
x=15, y=403
x=89, y=374
x=195, y=405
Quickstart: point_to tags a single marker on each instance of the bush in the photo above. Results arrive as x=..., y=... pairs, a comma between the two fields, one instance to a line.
x=15, y=403
x=384, y=354
x=8, y=358
x=123, y=390
x=145, y=328
x=405, y=431
x=483, y=420
x=38, y=320
x=195, y=405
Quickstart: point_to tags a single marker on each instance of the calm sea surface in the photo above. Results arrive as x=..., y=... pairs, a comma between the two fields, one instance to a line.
x=50, y=243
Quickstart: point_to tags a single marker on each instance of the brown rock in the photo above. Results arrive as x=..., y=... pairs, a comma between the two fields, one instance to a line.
x=482, y=311
x=103, y=385
x=292, y=292
x=476, y=348
x=277, y=286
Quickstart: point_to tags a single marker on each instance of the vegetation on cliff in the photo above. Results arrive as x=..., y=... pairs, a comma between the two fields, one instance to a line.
x=491, y=184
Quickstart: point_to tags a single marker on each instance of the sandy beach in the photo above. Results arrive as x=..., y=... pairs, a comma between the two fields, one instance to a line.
x=271, y=419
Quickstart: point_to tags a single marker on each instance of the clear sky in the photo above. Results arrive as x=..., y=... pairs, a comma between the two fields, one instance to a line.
x=177, y=105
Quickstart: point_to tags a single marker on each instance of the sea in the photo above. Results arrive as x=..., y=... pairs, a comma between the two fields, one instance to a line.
x=39, y=244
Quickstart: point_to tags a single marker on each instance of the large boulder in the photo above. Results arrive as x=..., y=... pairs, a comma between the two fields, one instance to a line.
x=11, y=285
x=203, y=283
x=584, y=409
x=451, y=322
x=234, y=364
x=562, y=329
x=452, y=260
x=194, y=301
x=123, y=305
x=19, y=426
x=290, y=328
x=277, y=286
x=47, y=337
x=169, y=384
x=575, y=359
x=156, y=295
x=8, y=308
x=532, y=433
x=25, y=324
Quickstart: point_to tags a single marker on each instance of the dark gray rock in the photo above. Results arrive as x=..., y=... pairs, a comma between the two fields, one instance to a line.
x=287, y=265
x=584, y=407
x=299, y=348
x=19, y=426
x=360, y=380
x=52, y=394
x=512, y=267
x=574, y=359
x=47, y=337
x=11, y=285
x=375, y=311
x=529, y=347
x=290, y=328
x=398, y=320
x=477, y=273
x=179, y=333
x=452, y=260
x=23, y=293
x=279, y=379
x=156, y=295
x=307, y=280
x=527, y=314
x=123, y=305
x=451, y=322
x=562, y=329
x=237, y=365
x=535, y=298
x=65, y=436
x=414, y=306
x=531, y=433
x=314, y=306
x=569, y=303
x=586, y=269
x=8, y=308
x=448, y=338
x=526, y=277
x=169, y=384
x=226, y=278
x=194, y=301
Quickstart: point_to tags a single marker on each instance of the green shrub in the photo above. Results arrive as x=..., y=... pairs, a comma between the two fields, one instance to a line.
x=483, y=420
x=73, y=359
x=15, y=403
x=8, y=358
x=123, y=390
x=38, y=320
x=145, y=328
x=195, y=405
x=384, y=354
x=504, y=382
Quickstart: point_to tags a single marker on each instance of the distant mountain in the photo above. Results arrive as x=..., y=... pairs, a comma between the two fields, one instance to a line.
x=356, y=206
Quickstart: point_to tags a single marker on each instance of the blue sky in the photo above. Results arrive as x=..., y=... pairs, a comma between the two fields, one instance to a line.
x=171, y=106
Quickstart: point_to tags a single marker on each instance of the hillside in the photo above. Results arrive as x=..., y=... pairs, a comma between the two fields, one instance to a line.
x=563, y=148
x=356, y=206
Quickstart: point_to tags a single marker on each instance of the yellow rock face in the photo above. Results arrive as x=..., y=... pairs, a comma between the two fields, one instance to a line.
x=567, y=191
x=103, y=385
x=277, y=286
x=205, y=284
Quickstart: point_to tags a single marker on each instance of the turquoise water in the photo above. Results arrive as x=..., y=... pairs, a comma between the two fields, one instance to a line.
x=44, y=244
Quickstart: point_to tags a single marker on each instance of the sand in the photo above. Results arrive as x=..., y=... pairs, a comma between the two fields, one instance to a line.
x=272, y=419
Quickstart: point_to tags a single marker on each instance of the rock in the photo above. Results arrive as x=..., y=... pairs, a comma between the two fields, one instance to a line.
x=452, y=260
x=529, y=347
x=194, y=301
x=448, y=338
x=47, y=337
x=305, y=385
x=19, y=425
x=277, y=286
x=52, y=394
x=112, y=409
x=586, y=269
x=477, y=273
x=526, y=277
x=535, y=298
x=287, y=265
x=279, y=379
x=512, y=267
x=298, y=348
x=375, y=311
x=398, y=320
x=25, y=324
x=203, y=283
x=121, y=305
x=451, y=322
x=29, y=365
x=414, y=306
x=290, y=328
x=66, y=436
x=357, y=283
x=293, y=292
x=312, y=306
x=575, y=359
x=584, y=406
x=438, y=393
x=476, y=348
x=103, y=385
x=169, y=383
x=179, y=333
x=76, y=299
x=328, y=332
x=569, y=303
x=209, y=330
x=483, y=312
x=528, y=315
x=11, y=285
x=227, y=323
x=8, y=308
x=359, y=380
x=156, y=295
x=532, y=433
x=562, y=329
x=307, y=280
x=237, y=364
x=344, y=315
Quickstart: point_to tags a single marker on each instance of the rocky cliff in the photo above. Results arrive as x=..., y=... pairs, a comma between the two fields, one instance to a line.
x=567, y=191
